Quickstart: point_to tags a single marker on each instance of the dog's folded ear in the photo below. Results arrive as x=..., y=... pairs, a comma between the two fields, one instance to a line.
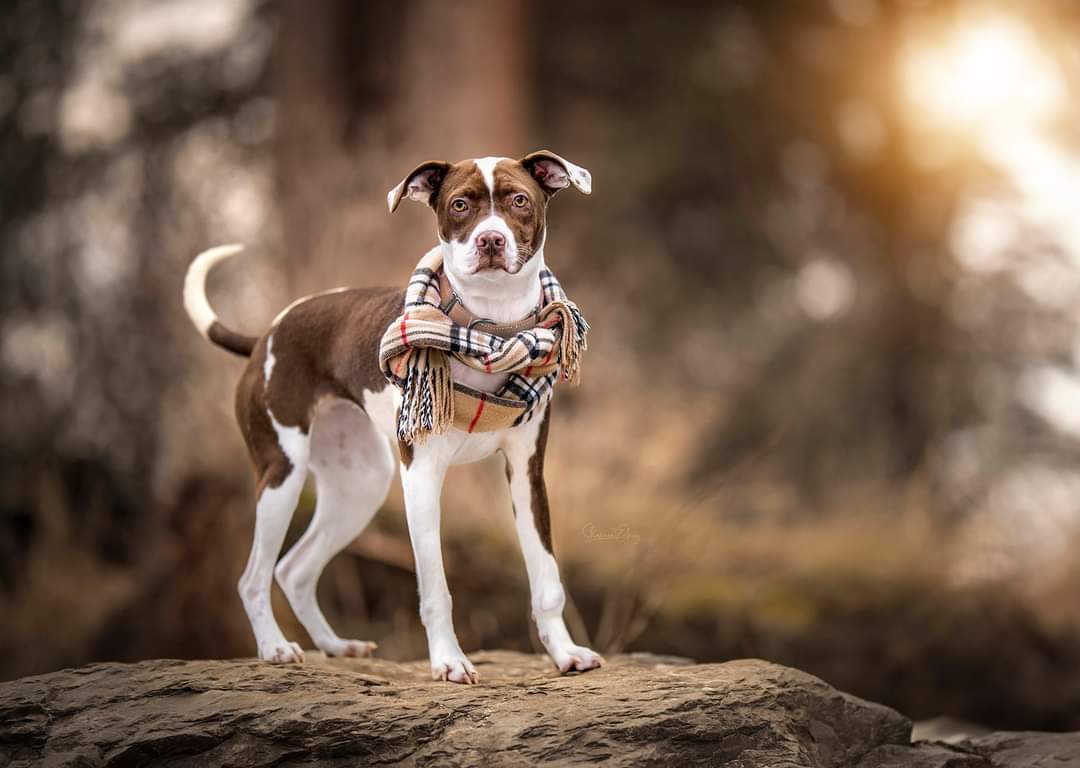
x=421, y=184
x=554, y=172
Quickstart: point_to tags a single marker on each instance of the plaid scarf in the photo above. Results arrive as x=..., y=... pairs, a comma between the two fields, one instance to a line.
x=415, y=349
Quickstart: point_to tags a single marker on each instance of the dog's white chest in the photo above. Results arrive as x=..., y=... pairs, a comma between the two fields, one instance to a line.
x=453, y=447
x=484, y=382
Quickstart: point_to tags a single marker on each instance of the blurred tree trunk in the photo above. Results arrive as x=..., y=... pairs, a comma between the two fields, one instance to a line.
x=367, y=90
x=462, y=79
x=310, y=75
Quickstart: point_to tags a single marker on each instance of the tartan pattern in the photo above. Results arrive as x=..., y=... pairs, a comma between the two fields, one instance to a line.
x=414, y=350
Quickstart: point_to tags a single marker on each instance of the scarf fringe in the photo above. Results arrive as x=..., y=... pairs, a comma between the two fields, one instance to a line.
x=573, y=344
x=427, y=397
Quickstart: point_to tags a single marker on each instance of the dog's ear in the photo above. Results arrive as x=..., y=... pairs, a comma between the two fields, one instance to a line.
x=420, y=185
x=554, y=172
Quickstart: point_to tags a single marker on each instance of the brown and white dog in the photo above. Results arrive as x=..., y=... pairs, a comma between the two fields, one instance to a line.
x=312, y=398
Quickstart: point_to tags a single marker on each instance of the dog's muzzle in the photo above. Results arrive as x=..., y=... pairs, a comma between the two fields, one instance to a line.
x=491, y=251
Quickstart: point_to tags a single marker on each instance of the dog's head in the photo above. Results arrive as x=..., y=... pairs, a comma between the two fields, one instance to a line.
x=491, y=211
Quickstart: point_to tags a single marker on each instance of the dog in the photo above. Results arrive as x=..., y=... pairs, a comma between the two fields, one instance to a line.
x=313, y=398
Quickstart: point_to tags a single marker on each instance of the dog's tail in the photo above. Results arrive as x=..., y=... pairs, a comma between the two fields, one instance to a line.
x=199, y=310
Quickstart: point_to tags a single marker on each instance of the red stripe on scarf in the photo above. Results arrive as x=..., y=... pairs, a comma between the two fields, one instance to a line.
x=476, y=417
x=404, y=340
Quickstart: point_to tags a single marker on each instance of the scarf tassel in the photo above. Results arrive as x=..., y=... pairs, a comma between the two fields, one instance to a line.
x=427, y=397
x=572, y=344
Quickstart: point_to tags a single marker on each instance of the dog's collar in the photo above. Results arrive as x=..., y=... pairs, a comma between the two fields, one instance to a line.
x=459, y=314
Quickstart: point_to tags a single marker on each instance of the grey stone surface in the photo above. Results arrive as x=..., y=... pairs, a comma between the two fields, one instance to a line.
x=995, y=750
x=637, y=710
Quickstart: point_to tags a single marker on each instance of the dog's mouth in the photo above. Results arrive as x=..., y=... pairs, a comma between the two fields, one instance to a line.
x=495, y=264
x=501, y=261
x=490, y=264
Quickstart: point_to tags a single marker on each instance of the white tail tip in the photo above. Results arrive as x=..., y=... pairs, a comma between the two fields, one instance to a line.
x=198, y=308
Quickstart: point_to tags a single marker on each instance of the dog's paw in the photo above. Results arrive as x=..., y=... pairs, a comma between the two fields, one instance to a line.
x=282, y=652
x=454, y=668
x=576, y=658
x=351, y=648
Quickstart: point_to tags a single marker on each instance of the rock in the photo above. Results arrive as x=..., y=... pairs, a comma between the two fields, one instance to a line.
x=921, y=755
x=995, y=750
x=637, y=710
x=1027, y=749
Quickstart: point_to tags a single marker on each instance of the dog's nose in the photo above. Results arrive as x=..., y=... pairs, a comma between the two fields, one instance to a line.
x=490, y=242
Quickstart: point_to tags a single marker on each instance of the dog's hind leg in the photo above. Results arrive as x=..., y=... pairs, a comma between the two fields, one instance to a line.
x=280, y=482
x=353, y=466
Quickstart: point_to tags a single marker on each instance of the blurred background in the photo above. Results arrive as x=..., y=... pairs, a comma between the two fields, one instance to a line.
x=832, y=262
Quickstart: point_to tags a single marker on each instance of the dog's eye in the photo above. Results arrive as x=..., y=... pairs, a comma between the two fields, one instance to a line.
x=459, y=205
x=520, y=201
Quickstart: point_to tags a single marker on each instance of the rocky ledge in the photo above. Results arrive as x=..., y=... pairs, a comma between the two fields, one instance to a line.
x=637, y=710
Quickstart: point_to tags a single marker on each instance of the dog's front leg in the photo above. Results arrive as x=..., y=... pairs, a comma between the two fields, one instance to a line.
x=422, y=479
x=525, y=470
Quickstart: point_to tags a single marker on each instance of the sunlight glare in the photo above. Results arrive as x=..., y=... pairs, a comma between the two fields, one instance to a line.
x=989, y=70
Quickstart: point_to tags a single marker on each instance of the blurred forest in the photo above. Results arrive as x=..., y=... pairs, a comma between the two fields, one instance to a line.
x=831, y=260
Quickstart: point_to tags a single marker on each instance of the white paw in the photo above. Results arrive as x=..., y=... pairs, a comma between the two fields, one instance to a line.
x=454, y=668
x=576, y=658
x=282, y=652
x=353, y=648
